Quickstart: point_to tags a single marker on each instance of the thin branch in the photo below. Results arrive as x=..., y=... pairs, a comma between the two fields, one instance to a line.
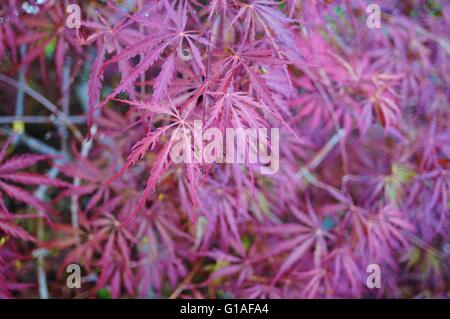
x=40, y=254
x=65, y=104
x=32, y=142
x=45, y=102
x=330, y=106
x=75, y=119
x=186, y=280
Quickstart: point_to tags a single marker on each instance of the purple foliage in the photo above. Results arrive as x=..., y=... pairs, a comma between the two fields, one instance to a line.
x=364, y=174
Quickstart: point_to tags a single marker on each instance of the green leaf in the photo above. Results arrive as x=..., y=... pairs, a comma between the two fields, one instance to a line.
x=393, y=183
x=264, y=204
x=104, y=293
x=224, y=294
x=339, y=11
x=246, y=242
x=392, y=188
x=414, y=258
x=433, y=8
x=200, y=231
x=402, y=173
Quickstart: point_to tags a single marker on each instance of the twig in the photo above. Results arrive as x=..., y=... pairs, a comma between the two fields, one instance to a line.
x=305, y=171
x=330, y=107
x=40, y=254
x=325, y=150
x=20, y=97
x=45, y=102
x=85, y=149
x=75, y=119
x=32, y=142
x=65, y=105
x=186, y=280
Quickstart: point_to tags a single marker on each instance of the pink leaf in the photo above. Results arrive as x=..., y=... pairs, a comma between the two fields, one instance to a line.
x=164, y=78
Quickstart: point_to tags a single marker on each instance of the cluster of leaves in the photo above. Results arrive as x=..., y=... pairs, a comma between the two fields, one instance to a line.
x=364, y=175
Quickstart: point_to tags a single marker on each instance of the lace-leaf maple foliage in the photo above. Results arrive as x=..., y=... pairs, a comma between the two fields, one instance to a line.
x=364, y=172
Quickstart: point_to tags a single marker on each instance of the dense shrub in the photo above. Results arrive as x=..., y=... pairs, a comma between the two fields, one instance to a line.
x=364, y=174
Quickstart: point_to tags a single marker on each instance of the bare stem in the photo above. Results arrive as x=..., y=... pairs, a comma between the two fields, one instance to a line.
x=20, y=97
x=32, y=142
x=35, y=119
x=45, y=102
x=85, y=149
